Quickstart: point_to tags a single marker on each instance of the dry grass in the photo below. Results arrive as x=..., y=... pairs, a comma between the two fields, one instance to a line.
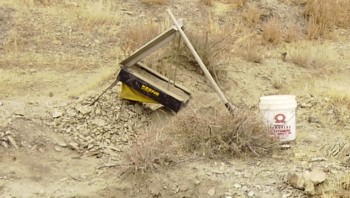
x=341, y=189
x=154, y=2
x=250, y=50
x=252, y=15
x=208, y=2
x=191, y=134
x=99, y=13
x=339, y=105
x=238, y=3
x=323, y=15
x=292, y=34
x=272, y=31
x=310, y=55
x=152, y=151
x=213, y=44
x=222, y=135
x=136, y=35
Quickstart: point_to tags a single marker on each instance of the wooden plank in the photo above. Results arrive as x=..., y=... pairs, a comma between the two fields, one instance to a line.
x=152, y=46
x=160, y=84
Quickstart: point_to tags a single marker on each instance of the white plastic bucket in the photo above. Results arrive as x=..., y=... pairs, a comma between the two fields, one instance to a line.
x=279, y=114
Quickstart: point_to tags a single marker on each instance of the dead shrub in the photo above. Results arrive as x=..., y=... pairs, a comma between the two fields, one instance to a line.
x=323, y=15
x=272, y=31
x=134, y=36
x=339, y=105
x=250, y=51
x=306, y=55
x=212, y=44
x=300, y=54
x=98, y=13
x=343, y=18
x=223, y=135
x=238, y=3
x=153, y=150
x=252, y=15
x=191, y=135
x=208, y=2
x=154, y=2
x=293, y=33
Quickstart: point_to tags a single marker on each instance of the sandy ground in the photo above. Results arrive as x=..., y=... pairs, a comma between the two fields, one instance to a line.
x=37, y=166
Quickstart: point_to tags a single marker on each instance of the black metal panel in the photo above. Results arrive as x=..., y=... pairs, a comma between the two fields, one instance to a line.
x=156, y=94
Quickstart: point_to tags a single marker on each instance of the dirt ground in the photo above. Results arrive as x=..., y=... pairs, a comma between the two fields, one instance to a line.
x=43, y=78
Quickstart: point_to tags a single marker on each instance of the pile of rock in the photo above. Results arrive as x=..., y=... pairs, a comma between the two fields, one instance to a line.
x=6, y=139
x=307, y=181
x=107, y=125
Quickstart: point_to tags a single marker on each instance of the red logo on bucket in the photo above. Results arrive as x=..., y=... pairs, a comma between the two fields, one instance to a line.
x=280, y=118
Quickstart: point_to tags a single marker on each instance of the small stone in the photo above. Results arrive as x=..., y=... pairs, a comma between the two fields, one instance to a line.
x=237, y=185
x=317, y=176
x=99, y=122
x=74, y=145
x=288, y=194
x=56, y=113
x=197, y=182
x=211, y=192
x=4, y=144
x=285, y=146
x=296, y=180
x=90, y=146
x=71, y=112
x=58, y=149
x=245, y=189
x=309, y=188
x=12, y=141
x=251, y=194
x=318, y=159
x=1, y=104
x=83, y=109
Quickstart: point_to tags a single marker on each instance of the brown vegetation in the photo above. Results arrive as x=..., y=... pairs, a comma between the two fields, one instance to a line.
x=154, y=2
x=272, y=31
x=191, y=134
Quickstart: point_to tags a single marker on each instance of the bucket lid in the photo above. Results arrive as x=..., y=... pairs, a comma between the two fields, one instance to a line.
x=277, y=97
x=278, y=102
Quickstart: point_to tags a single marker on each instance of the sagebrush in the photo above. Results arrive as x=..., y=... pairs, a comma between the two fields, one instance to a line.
x=189, y=134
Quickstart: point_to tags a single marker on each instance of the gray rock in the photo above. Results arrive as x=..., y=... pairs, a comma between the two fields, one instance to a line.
x=309, y=188
x=4, y=144
x=316, y=176
x=296, y=180
x=237, y=185
x=83, y=109
x=12, y=141
x=211, y=192
x=71, y=112
x=74, y=145
x=56, y=113
x=99, y=122
x=197, y=182
x=251, y=194
x=58, y=149
x=245, y=189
